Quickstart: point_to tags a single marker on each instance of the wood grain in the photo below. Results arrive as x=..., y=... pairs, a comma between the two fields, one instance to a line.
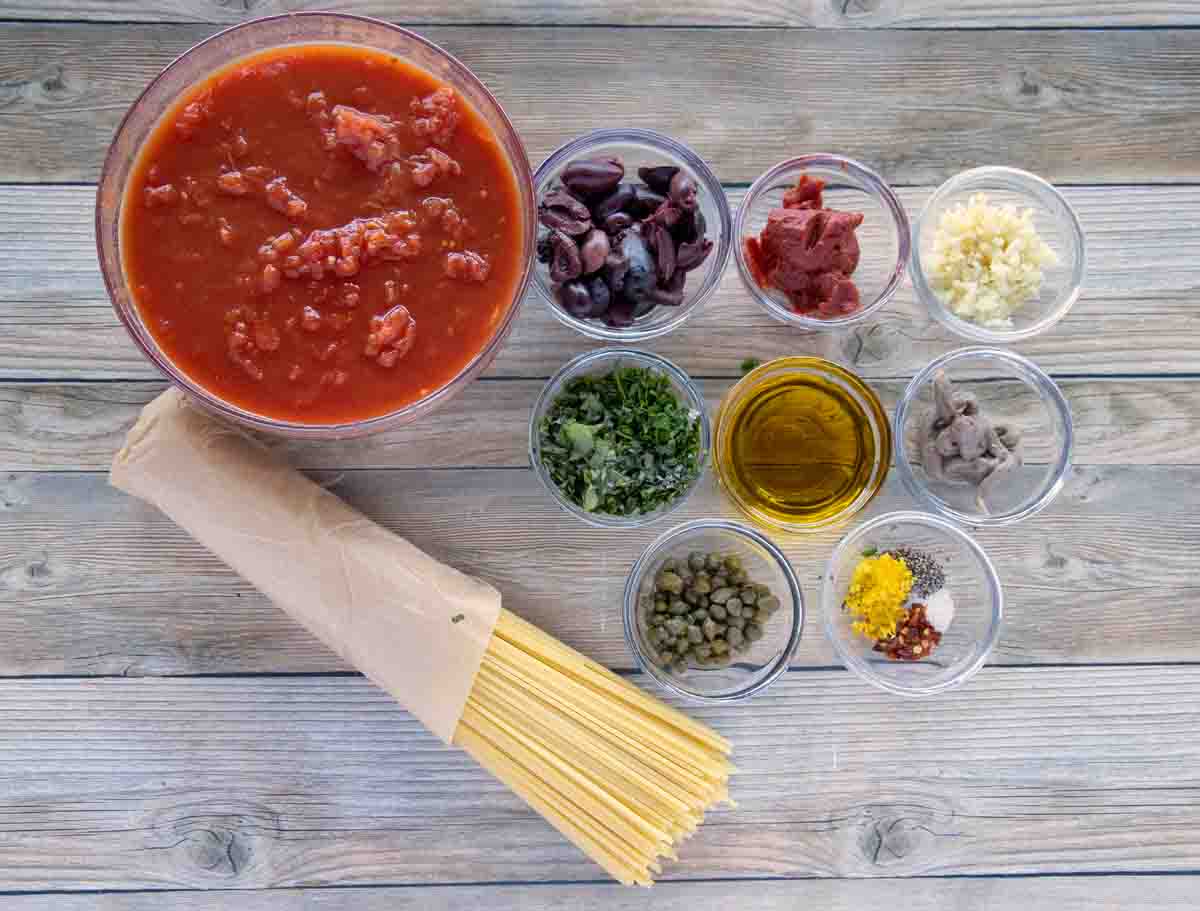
x=917, y=105
x=1136, y=316
x=878, y=13
x=281, y=782
x=94, y=582
x=78, y=426
x=1040, y=893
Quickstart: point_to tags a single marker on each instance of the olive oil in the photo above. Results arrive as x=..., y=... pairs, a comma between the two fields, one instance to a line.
x=800, y=440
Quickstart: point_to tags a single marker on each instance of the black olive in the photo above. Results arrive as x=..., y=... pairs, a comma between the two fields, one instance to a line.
x=658, y=179
x=601, y=296
x=619, y=199
x=617, y=222
x=575, y=299
x=645, y=201
x=642, y=277
x=620, y=314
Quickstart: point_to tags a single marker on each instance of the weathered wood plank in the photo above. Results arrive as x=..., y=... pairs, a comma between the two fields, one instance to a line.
x=878, y=13
x=78, y=426
x=1137, y=313
x=272, y=783
x=917, y=104
x=1041, y=893
x=94, y=582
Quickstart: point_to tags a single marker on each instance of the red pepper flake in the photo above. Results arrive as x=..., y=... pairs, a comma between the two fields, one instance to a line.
x=915, y=638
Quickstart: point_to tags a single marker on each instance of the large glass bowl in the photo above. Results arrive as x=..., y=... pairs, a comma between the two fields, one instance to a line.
x=218, y=52
x=970, y=579
x=638, y=148
x=1011, y=390
x=849, y=187
x=601, y=362
x=1056, y=223
x=766, y=659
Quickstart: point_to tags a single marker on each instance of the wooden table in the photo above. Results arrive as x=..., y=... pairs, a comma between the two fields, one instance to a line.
x=163, y=727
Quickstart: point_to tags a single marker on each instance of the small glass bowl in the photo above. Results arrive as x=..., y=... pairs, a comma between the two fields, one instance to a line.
x=643, y=148
x=221, y=51
x=849, y=187
x=970, y=580
x=771, y=372
x=766, y=659
x=1056, y=223
x=599, y=362
x=1011, y=390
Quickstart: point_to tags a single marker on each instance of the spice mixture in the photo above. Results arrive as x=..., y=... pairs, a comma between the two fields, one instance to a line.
x=899, y=599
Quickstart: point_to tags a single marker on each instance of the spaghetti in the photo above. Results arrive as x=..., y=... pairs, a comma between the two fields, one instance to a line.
x=621, y=775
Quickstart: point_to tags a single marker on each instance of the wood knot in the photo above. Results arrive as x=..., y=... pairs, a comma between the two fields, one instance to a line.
x=905, y=837
x=218, y=837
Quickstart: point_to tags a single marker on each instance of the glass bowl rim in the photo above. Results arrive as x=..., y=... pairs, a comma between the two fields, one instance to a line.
x=139, y=334
x=600, y=356
x=876, y=187
x=554, y=163
x=1028, y=185
x=733, y=529
x=875, y=409
x=1033, y=377
x=985, y=644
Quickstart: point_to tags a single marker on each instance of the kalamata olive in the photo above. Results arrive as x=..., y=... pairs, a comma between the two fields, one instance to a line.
x=664, y=251
x=620, y=314
x=668, y=215
x=566, y=264
x=618, y=200
x=645, y=201
x=575, y=299
x=691, y=255
x=684, y=192
x=690, y=228
x=594, y=250
x=678, y=280
x=658, y=178
x=665, y=298
x=560, y=211
x=593, y=177
x=545, y=248
x=617, y=222
x=601, y=296
x=642, y=277
x=616, y=267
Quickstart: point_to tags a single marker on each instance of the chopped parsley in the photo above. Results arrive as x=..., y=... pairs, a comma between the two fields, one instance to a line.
x=749, y=364
x=622, y=444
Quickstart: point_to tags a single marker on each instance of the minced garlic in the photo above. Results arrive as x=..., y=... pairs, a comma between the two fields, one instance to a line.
x=987, y=261
x=878, y=590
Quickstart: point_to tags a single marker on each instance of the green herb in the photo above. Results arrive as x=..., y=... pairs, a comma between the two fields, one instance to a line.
x=749, y=364
x=622, y=443
x=870, y=551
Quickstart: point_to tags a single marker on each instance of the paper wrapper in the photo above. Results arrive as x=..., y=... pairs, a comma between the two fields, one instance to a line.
x=415, y=627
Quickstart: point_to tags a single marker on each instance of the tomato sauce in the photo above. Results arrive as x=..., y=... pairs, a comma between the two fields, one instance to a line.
x=322, y=234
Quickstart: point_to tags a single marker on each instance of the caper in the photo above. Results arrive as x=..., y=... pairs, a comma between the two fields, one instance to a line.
x=734, y=636
x=762, y=615
x=696, y=560
x=754, y=632
x=704, y=601
x=702, y=585
x=720, y=646
x=677, y=607
x=717, y=611
x=770, y=604
x=734, y=606
x=675, y=626
x=719, y=581
x=709, y=628
x=669, y=582
x=670, y=565
x=748, y=596
x=737, y=623
x=699, y=616
x=713, y=562
x=691, y=597
x=660, y=605
x=695, y=636
x=733, y=563
x=721, y=595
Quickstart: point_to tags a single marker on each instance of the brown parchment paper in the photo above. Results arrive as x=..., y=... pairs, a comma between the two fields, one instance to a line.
x=414, y=626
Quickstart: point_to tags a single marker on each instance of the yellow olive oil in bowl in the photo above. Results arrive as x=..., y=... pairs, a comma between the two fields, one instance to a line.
x=801, y=443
